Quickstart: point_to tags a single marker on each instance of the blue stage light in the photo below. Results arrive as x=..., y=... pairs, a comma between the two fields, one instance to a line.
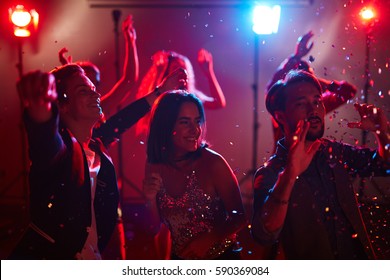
x=266, y=19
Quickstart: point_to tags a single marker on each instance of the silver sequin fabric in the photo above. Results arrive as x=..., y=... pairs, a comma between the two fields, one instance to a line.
x=191, y=214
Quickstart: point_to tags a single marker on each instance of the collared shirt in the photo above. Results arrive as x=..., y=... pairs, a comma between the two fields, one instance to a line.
x=90, y=249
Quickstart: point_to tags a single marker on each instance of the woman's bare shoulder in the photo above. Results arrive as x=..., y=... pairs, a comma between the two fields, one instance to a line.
x=211, y=157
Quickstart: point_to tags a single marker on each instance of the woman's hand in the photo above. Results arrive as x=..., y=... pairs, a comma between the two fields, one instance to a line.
x=128, y=28
x=151, y=186
x=205, y=60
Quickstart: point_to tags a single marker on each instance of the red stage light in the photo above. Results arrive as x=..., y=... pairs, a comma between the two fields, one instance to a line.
x=367, y=14
x=22, y=20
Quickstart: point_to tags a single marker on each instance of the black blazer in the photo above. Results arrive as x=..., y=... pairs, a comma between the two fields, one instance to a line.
x=60, y=192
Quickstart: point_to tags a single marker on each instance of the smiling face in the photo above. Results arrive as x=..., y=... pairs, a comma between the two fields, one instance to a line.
x=187, y=130
x=82, y=102
x=303, y=102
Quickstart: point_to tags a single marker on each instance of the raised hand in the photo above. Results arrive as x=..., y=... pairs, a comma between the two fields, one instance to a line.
x=37, y=91
x=303, y=48
x=62, y=58
x=160, y=59
x=178, y=79
x=342, y=89
x=300, y=154
x=205, y=60
x=372, y=118
x=128, y=29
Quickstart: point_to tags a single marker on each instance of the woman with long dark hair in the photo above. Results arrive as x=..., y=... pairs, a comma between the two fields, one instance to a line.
x=189, y=187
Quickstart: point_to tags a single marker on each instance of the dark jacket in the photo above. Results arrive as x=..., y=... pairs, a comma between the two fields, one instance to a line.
x=303, y=235
x=60, y=189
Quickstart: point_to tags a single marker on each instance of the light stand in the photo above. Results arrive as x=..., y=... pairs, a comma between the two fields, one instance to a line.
x=255, y=88
x=19, y=65
x=23, y=139
x=116, y=14
x=118, y=235
x=265, y=22
x=367, y=15
x=23, y=174
x=367, y=75
x=24, y=22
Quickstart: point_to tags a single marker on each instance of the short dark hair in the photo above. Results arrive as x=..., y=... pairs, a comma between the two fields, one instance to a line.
x=61, y=75
x=89, y=66
x=164, y=115
x=276, y=96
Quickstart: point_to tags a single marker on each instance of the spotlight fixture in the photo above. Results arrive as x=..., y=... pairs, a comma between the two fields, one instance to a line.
x=367, y=13
x=265, y=22
x=266, y=19
x=24, y=21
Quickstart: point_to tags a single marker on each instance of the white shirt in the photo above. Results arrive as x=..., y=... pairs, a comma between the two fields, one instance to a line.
x=90, y=250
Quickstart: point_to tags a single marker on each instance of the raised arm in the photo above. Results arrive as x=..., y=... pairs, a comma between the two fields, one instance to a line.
x=216, y=99
x=37, y=91
x=129, y=76
x=302, y=48
x=62, y=58
x=374, y=119
x=155, y=73
x=112, y=129
x=336, y=93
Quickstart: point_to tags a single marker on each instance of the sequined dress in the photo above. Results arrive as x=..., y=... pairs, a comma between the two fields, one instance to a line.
x=191, y=214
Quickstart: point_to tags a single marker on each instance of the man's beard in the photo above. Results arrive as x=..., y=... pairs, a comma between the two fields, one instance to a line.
x=313, y=136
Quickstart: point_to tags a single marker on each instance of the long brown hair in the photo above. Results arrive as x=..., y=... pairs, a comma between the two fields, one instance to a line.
x=164, y=115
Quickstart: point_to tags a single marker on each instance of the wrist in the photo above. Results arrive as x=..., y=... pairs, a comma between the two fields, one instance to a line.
x=295, y=57
x=293, y=60
x=277, y=200
x=278, y=197
x=153, y=95
x=332, y=86
x=157, y=91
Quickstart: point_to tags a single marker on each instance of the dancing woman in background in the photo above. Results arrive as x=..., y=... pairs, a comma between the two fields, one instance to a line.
x=165, y=62
x=122, y=88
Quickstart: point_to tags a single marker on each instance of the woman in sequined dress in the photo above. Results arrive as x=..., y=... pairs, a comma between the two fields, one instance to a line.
x=163, y=63
x=189, y=187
